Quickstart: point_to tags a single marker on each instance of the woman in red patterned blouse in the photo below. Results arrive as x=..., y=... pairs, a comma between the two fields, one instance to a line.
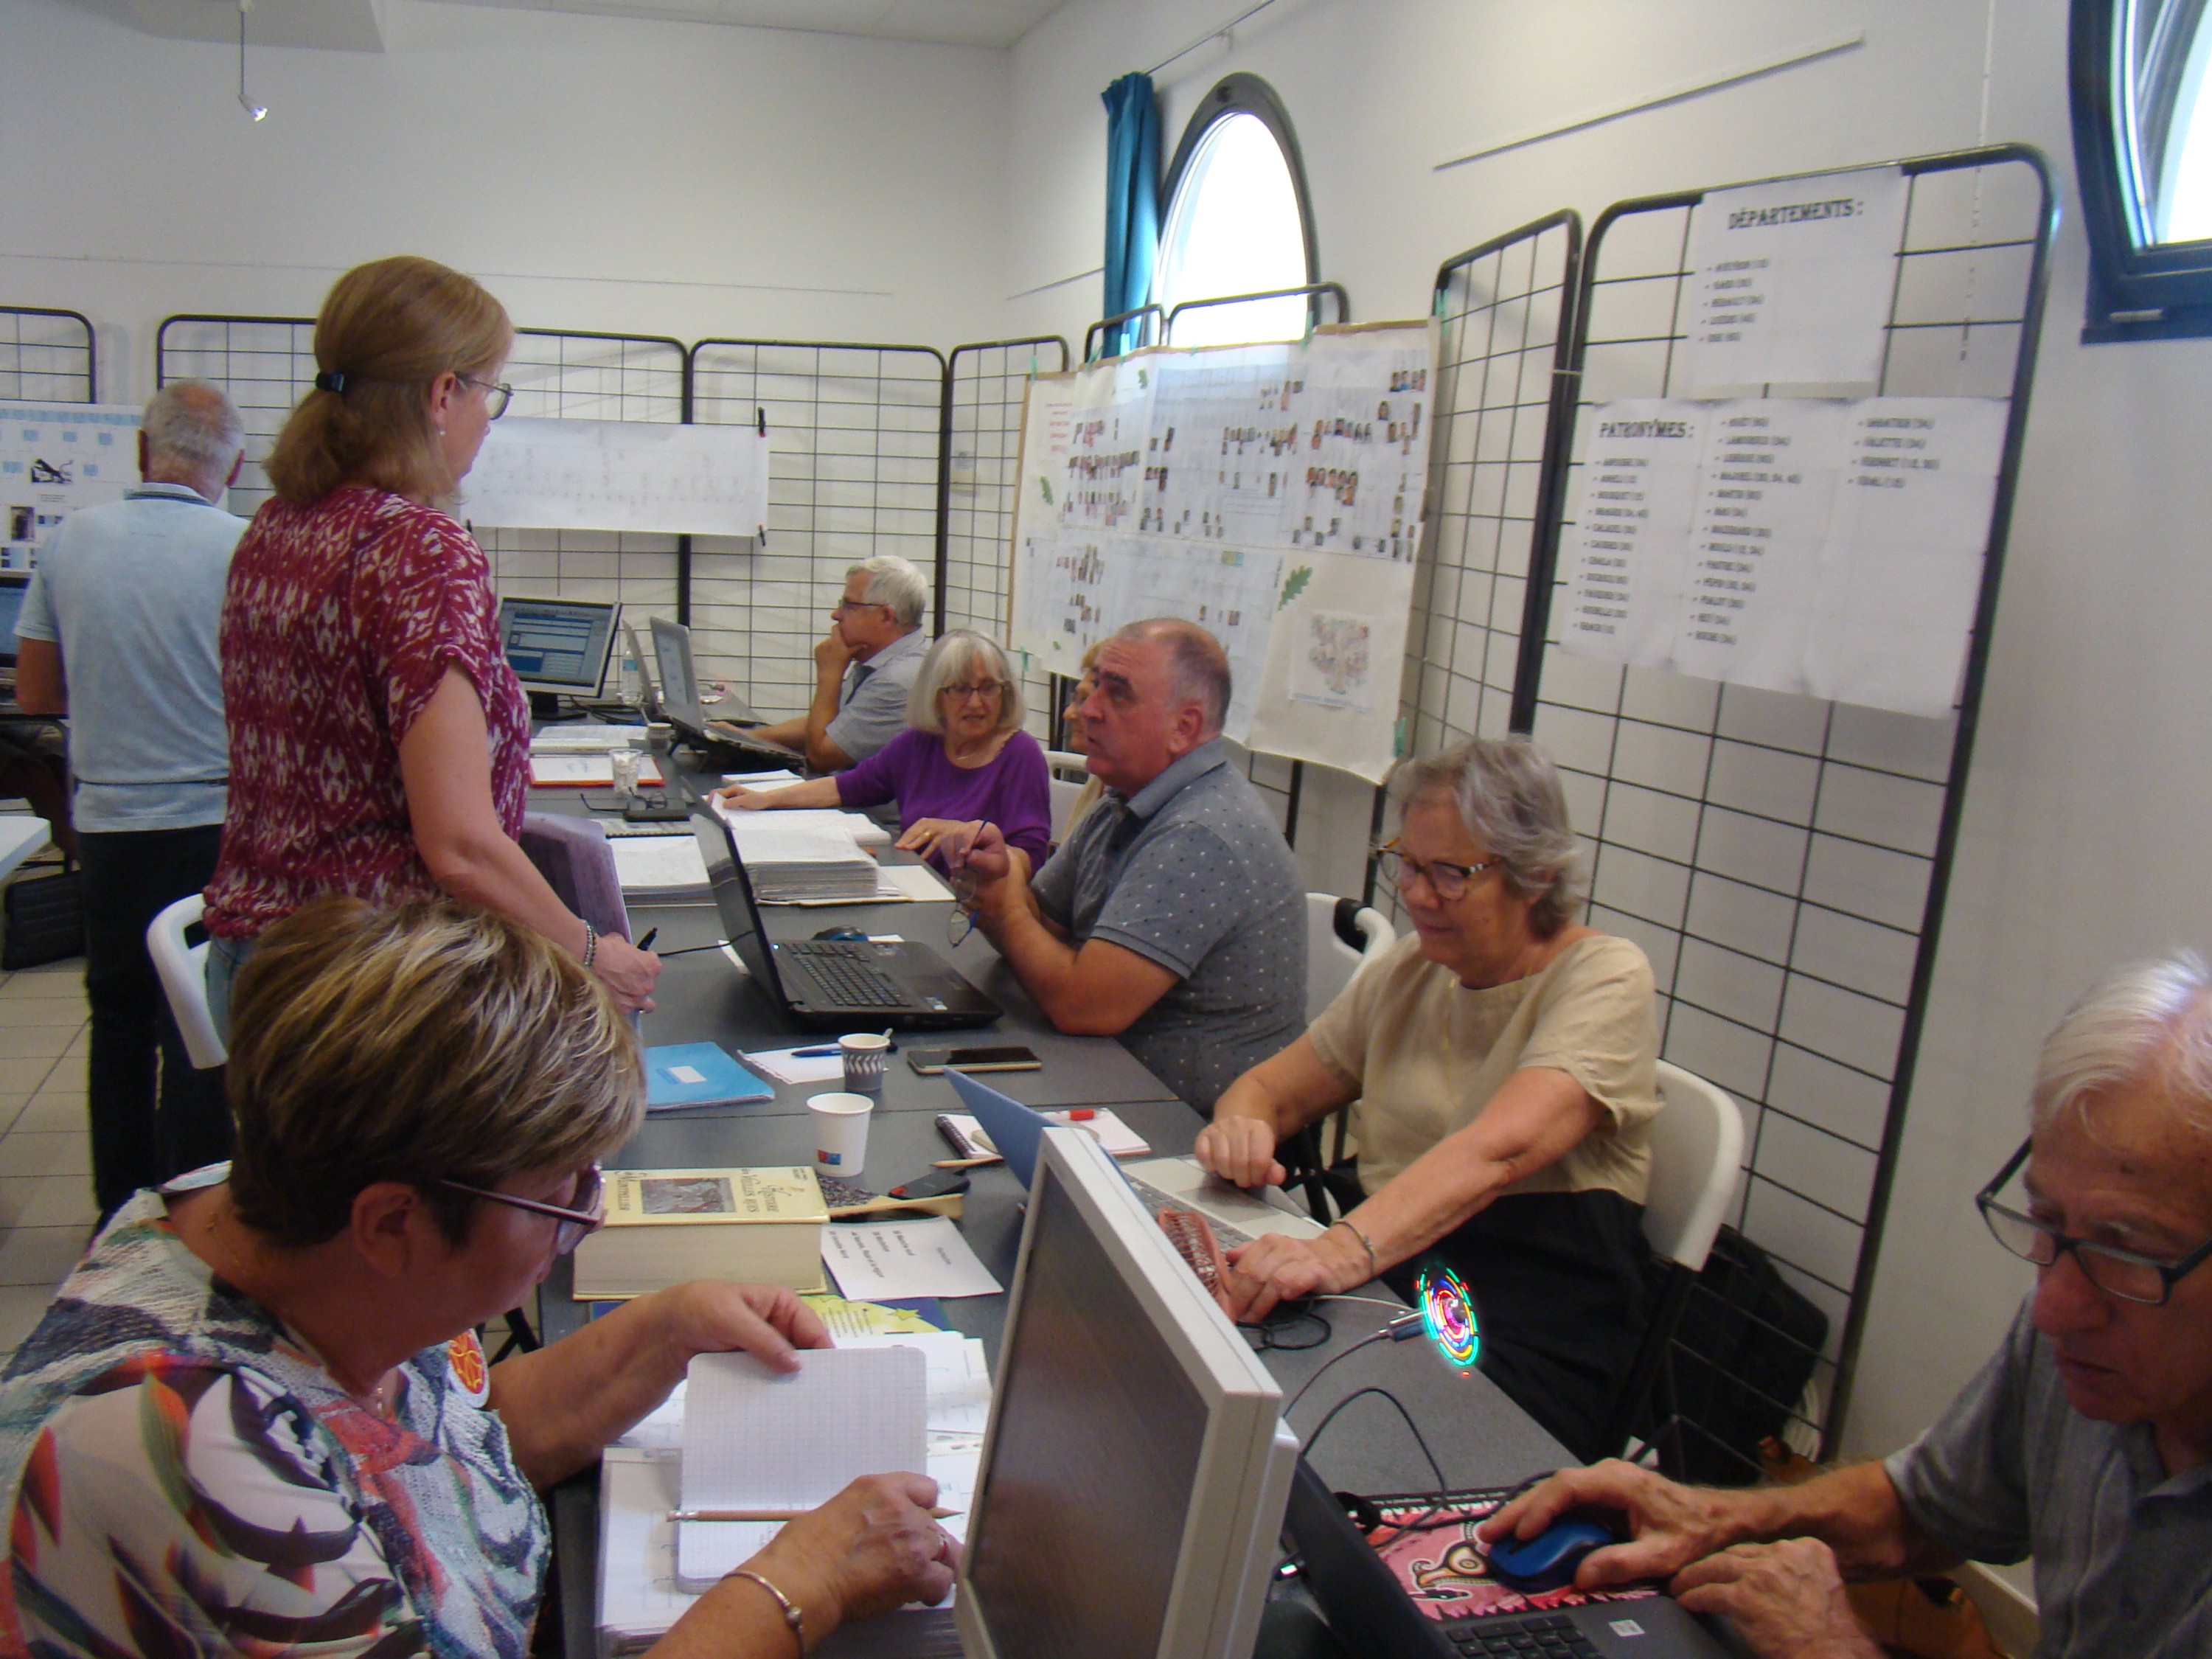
x=379, y=741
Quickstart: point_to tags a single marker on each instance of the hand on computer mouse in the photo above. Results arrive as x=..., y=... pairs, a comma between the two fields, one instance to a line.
x=1549, y=1560
x=1669, y=1526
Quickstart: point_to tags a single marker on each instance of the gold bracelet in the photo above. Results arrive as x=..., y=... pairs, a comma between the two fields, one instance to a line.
x=791, y=1616
x=1365, y=1244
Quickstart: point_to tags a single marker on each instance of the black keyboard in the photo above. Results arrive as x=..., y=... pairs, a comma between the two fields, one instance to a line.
x=845, y=980
x=1551, y=1637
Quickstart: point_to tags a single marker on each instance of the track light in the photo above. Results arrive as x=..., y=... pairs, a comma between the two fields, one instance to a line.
x=254, y=111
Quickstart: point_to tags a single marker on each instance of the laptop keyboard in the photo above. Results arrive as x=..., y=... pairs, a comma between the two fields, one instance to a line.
x=1155, y=1201
x=845, y=980
x=1553, y=1636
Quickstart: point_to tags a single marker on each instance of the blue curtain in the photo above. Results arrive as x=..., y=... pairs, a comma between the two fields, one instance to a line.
x=1132, y=203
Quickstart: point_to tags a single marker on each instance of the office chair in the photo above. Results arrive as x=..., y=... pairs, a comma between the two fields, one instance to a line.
x=1343, y=937
x=578, y=862
x=182, y=970
x=1066, y=790
x=1696, y=1148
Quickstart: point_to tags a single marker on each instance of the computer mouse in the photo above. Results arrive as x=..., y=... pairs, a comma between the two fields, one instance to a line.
x=842, y=932
x=1547, y=1561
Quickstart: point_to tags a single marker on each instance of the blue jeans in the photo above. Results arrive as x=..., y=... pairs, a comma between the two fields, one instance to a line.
x=225, y=957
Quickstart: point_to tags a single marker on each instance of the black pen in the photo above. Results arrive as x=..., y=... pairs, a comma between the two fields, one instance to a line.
x=651, y=935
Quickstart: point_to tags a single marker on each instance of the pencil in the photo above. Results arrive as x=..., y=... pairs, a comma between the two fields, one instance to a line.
x=769, y=1515
x=965, y=1162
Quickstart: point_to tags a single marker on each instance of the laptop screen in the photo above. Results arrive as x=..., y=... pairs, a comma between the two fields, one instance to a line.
x=11, y=607
x=679, y=683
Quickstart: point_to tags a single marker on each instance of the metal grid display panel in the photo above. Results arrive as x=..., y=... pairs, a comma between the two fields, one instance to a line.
x=267, y=364
x=1782, y=858
x=853, y=444
x=46, y=356
x=986, y=386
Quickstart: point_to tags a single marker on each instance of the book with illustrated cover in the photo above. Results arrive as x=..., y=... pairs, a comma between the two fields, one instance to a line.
x=665, y=1227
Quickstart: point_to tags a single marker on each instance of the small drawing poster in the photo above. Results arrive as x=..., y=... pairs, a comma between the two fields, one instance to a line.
x=1335, y=664
x=55, y=458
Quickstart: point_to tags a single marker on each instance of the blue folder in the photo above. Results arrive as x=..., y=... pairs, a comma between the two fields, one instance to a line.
x=698, y=1074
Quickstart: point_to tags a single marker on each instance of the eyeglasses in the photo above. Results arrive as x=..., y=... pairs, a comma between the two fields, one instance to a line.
x=584, y=1216
x=2117, y=1272
x=843, y=605
x=1448, y=882
x=982, y=693
x=497, y=395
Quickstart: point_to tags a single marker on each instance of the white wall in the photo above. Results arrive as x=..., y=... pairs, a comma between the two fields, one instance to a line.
x=2083, y=842
x=596, y=173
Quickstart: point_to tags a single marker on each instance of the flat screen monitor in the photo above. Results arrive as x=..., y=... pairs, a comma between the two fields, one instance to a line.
x=680, y=681
x=557, y=646
x=12, y=586
x=1135, y=1468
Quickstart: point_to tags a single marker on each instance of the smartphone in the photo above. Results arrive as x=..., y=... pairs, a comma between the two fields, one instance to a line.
x=1011, y=1058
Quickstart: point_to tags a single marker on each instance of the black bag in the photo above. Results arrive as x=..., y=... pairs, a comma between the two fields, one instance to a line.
x=45, y=921
x=1745, y=1350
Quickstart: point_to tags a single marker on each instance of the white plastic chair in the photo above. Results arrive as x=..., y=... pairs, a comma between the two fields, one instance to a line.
x=183, y=970
x=1697, y=1151
x=1330, y=962
x=1069, y=776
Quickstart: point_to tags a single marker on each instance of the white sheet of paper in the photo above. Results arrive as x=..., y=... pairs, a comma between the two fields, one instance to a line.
x=1902, y=569
x=646, y=863
x=1792, y=285
x=1630, y=554
x=913, y=881
x=583, y=770
x=651, y=476
x=779, y=1064
x=891, y=1261
x=772, y=780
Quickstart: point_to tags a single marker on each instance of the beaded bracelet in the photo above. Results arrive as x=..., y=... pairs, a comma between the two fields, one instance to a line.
x=591, y=945
x=791, y=1613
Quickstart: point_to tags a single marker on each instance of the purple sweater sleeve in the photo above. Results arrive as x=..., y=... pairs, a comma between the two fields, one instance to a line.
x=882, y=776
x=1025, y=791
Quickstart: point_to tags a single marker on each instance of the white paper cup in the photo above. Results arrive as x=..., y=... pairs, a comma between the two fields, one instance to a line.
x=864, y=1052
x=841, y=1133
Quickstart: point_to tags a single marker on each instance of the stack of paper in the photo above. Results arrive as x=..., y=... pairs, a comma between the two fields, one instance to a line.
x=666, y=866
x=863, y=829
x=591, y=770
x=588, y=739
x=791, y=857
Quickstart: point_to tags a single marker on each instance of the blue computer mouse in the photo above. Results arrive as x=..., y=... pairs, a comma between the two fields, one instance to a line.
x=842, y=932
x=1547, y=1561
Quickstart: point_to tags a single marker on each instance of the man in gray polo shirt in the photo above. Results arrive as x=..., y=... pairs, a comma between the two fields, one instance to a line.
x=864, y=668
x=1173, y=917
x=2085, y=1443
x=118, y=632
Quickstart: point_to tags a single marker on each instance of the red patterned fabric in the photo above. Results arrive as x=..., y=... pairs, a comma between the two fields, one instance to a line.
x=339, y=622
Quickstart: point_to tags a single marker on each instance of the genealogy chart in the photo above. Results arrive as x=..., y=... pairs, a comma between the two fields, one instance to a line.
x=1272, y=494
x=1828, y=548
x=652, y=476
x=55, y=458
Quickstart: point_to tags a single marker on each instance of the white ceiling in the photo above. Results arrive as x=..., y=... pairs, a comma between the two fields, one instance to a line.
x=358, y=25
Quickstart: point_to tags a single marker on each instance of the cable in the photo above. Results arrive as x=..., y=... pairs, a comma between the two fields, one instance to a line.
x=1368, y=1341
x=1282, y=1319
x=1413, y=1428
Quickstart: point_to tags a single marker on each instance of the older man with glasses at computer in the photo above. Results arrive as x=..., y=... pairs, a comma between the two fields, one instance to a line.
x=2084, y=1443
x=257, y=1419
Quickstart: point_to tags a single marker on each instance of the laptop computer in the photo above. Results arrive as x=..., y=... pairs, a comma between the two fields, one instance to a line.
x=1362, y=1597
x=840, y=984
x=679, y=701
x=1236, y=1217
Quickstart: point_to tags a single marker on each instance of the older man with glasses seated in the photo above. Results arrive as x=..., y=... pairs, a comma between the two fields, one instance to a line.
x=256, y=1418
x=865, y=667
x=1504, y=1060
x=2085, y=1443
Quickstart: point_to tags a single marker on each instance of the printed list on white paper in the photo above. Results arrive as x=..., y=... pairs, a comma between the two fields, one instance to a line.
x=894, y=1260
x=1631, y=556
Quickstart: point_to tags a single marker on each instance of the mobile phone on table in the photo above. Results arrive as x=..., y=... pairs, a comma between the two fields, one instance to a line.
x=1011, y=1057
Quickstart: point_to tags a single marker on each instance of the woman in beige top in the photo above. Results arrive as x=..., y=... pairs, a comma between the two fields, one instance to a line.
x=1504, y=1060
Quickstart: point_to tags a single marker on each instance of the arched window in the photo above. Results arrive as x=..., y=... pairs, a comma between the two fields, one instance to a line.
x=1238, y=220
x=2142, y=146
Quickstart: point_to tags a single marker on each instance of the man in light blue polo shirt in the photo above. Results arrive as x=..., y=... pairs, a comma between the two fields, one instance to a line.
x=118, y=633
x=864, y=668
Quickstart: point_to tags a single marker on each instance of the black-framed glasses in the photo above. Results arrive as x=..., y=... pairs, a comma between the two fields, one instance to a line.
x=974, y=693
x=1448, y=882
x=2123, y=1274
x=497, y=395
x=579, y=1219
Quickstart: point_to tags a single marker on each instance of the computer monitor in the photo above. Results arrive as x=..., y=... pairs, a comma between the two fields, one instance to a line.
x=1136, y=1466
x=557, y=647
x=680, y=681
x=12, y=586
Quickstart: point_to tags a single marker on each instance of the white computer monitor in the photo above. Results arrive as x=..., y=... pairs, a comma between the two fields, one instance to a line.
x=1136, y=1465
x=557, y=647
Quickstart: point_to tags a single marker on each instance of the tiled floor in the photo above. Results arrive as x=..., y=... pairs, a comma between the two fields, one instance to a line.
x=46, y=1208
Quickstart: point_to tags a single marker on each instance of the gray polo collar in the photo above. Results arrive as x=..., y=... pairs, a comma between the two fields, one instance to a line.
x=147, y=491
x=1170, y=783
x=913, y=640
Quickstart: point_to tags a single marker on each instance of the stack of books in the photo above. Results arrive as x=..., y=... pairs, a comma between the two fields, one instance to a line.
x=669, y=1226
x=793, y=860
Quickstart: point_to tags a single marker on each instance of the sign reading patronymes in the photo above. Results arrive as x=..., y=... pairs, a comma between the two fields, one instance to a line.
x=1272, y=493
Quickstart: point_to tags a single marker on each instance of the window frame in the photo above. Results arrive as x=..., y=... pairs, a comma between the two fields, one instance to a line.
x=1235, y=95
x=2135, y=292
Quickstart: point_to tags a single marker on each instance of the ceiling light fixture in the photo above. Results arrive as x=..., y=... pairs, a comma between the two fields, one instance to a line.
x=253, y=109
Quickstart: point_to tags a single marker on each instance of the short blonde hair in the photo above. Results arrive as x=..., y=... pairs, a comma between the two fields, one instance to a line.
x=388, y=329
x=426, y=1043
x=950, y=661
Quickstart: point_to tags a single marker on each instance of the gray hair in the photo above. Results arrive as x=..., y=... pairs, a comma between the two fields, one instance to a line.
x=2150, y=1022
x=192, y=421
x=950, y=661
x=894, y=583
x=1508, y=794
x=1198, y=667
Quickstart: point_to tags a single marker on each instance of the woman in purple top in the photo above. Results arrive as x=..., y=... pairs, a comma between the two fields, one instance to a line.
x=962, y=760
